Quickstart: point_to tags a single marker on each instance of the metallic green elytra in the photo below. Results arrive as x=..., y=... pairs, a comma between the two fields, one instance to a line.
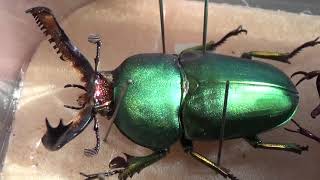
x=261, y=97
x=149, y=112
x=158, y=99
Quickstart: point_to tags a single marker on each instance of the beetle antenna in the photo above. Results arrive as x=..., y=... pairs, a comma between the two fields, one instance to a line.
x=112, y=119
x=95, y=39
x=205, y=26
x=162, y=26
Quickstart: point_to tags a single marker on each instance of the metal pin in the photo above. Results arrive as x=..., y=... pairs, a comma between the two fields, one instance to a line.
x=123, y=92
x=223, y=121
x=162, y=27
x=205, y=25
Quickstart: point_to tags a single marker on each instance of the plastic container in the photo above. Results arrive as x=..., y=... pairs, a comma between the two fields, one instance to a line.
x=130, y=28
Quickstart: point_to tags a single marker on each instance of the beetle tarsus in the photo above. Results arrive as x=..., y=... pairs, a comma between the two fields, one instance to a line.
x=211, y=45
x=308, y=76
x=101, y=175
x=94, y=151
x=303, y=131
x=305, y=45
x=235, y=32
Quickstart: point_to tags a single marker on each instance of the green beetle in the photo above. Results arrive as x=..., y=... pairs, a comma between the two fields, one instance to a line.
x=158, y=99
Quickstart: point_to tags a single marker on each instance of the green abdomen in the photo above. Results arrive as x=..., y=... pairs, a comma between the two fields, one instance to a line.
x=149, y=112
x=261, y=97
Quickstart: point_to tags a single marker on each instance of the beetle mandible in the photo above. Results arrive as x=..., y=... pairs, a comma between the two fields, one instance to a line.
x=158, y=99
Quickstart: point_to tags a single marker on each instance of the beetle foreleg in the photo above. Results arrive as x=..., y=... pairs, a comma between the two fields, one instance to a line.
x=129, y=166
x=303, y=131
x=94, y=151
x=136, y=164
x=291, y=147
x=75, y=86
x=278, y=56
x=73, y=107
x=101, y=175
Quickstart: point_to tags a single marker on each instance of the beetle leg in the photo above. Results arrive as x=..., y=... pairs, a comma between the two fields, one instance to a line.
x=235, y=32
x=95, y=39
x=101, y=175
x=75, y=86
x=130, y=166
x=307, y=76
x=136, y=164
x=303, y=131
x=291, y=147
x=94, y=151
x=73, y=107
x=278, y=56
x=211, y=45
x=188, y=148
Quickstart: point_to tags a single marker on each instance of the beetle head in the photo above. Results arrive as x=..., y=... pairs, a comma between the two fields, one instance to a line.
x=97, y=100
x=103, y=94
x=97, y=86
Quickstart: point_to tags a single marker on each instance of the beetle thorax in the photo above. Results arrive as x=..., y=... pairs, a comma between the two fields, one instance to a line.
x=103, y=93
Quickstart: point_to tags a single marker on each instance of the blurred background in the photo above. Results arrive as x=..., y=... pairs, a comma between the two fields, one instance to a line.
x=32, y=79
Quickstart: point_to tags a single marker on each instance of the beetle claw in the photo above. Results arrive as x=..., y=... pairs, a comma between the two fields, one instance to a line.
x=315, y=112
x=291, y=130
x=302, y=79
x=299, y=72
x=307, y=76
x=240, y=30
x=57, y=137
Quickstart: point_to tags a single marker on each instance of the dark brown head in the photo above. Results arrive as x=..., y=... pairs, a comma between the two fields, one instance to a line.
x=97, y=100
